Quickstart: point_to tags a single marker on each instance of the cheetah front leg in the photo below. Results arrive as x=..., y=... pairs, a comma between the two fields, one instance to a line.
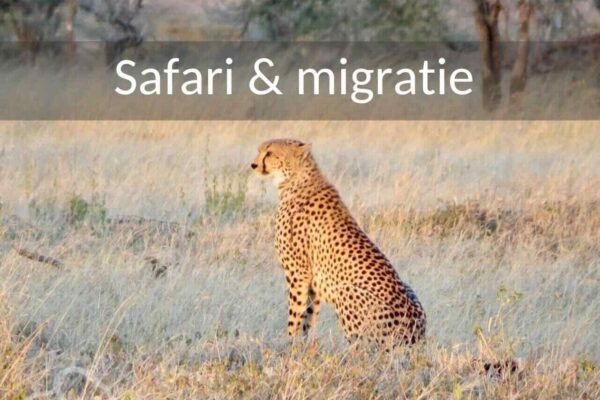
x=298, y=300
x=312, y=311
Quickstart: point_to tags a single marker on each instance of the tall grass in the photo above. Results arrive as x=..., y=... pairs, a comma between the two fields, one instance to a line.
x=495, y=225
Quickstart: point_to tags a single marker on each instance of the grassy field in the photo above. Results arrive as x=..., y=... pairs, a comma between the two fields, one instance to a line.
x=168, y=284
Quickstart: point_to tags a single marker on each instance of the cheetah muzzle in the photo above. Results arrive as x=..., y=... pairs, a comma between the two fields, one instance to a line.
x=327, y=257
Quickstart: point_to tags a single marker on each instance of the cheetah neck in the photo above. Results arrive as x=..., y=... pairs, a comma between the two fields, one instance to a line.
x=302, y=184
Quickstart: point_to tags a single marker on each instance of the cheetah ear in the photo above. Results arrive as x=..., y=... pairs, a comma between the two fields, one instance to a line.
x=304, y=150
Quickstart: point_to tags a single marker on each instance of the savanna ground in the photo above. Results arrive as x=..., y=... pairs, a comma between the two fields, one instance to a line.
x=495, y=225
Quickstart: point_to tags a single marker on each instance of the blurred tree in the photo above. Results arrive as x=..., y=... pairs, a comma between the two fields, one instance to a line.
x=393, y=19
x=557, y=20
x=120, y=16
x=342, y=20
x=33, y=22
x=563, y=19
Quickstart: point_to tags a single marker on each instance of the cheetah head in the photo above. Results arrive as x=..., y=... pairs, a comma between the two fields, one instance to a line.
x=280, y=159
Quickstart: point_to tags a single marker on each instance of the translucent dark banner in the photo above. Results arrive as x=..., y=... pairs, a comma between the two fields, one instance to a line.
x=299, y=81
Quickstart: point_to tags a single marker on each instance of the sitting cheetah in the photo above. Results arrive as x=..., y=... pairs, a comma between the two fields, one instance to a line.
x=326, y=256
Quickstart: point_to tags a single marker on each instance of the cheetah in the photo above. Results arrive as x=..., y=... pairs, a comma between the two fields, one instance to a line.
x=327, y=257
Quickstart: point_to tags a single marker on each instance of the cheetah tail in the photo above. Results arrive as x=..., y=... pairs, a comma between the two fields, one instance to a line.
x=32, y=255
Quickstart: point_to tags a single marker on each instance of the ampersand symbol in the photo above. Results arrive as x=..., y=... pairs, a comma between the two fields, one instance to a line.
x=258, y=74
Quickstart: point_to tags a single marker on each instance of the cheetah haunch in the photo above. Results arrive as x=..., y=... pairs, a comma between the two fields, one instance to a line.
x=326, y=256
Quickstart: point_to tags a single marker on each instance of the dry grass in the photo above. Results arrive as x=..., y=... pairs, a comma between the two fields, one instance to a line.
x=495, y=225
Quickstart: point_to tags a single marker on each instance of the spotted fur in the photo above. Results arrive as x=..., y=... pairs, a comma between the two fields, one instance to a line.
x=327, y=257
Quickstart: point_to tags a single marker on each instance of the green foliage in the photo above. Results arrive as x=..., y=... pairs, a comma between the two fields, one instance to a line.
x=81, y=211
x=586, y=365
x=345, y=20
x=223, y=195
x=78, y=209
x=505, y=297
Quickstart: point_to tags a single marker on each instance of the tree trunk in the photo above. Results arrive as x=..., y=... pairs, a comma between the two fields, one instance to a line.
x=519, y=71
x=69, y=14
x=486, y=22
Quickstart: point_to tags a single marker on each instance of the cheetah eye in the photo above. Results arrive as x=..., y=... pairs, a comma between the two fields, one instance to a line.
x=268, y=154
